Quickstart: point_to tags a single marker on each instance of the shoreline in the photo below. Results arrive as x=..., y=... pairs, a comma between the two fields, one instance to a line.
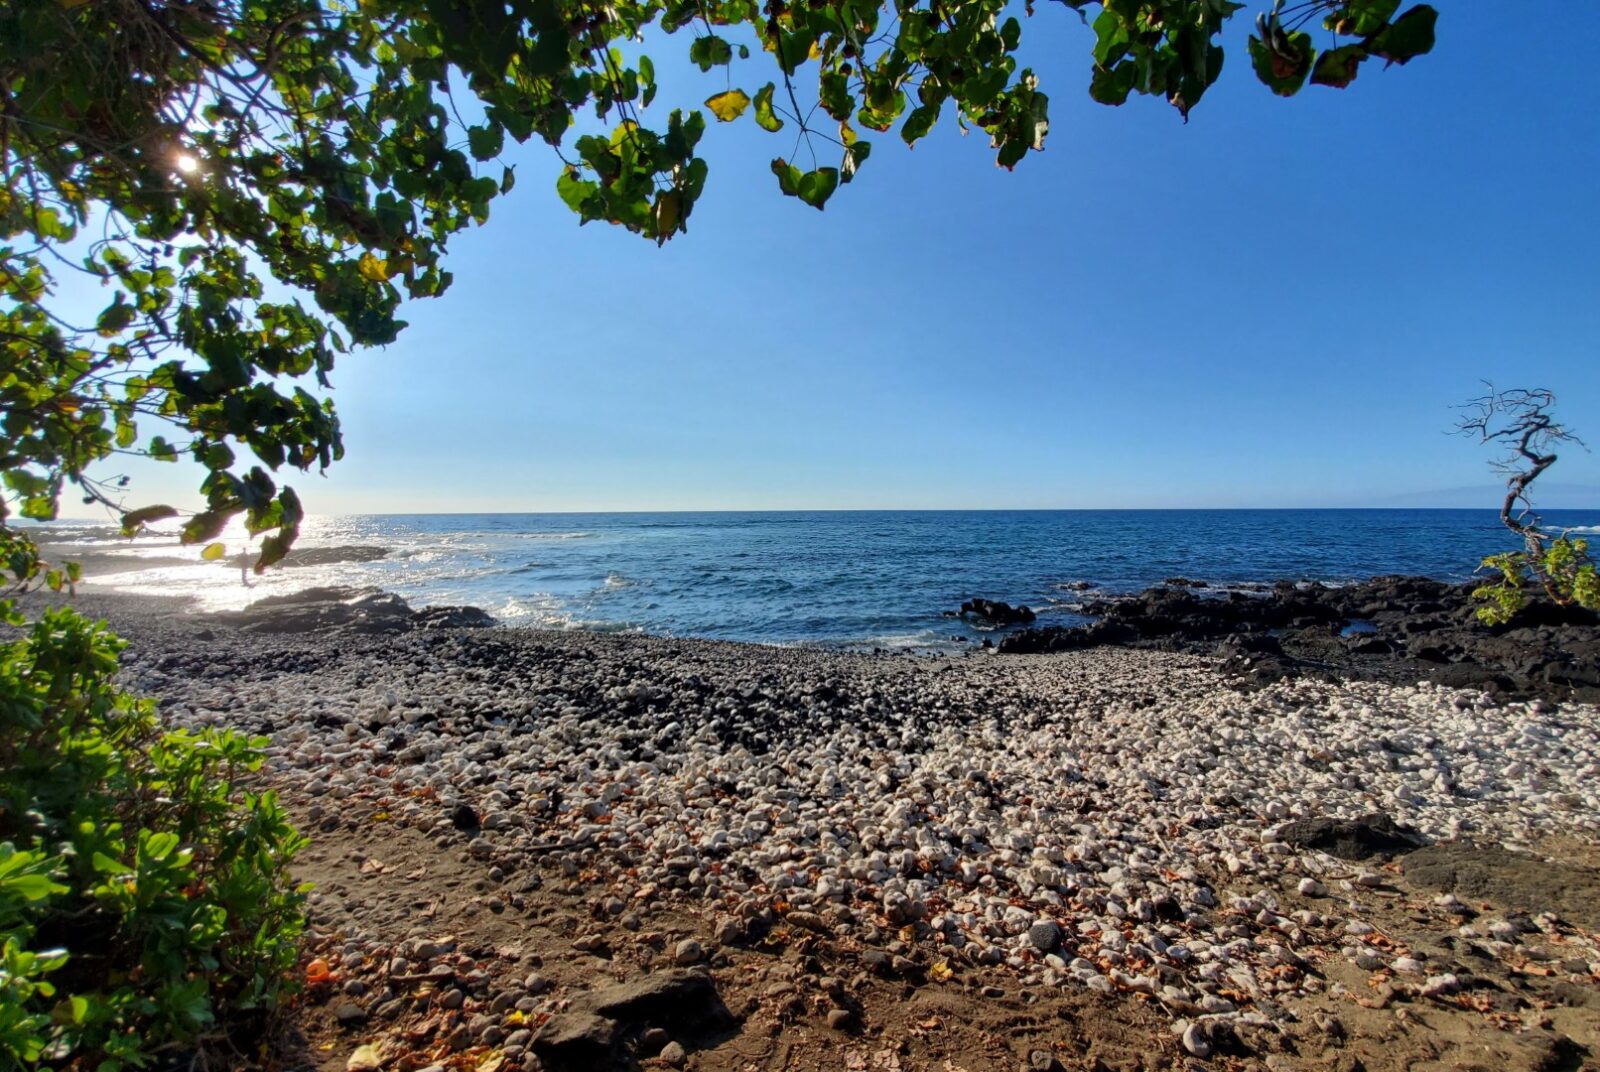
x=800, y=578
x=1389, y=628
x=1097, y=848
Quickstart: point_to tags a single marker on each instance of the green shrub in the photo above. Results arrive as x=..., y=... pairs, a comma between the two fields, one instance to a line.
x=1563, y=570
x=145, y=903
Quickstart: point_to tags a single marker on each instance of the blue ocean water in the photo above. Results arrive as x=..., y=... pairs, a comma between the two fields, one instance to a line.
x=848, y=578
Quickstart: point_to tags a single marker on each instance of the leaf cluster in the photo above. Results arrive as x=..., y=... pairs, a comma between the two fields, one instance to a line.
x=1170, y=48
x=1562, y=568
x=145, y=902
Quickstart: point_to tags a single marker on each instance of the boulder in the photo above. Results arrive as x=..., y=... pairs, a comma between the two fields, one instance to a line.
x=1352, y=839
x=669, y=997
x=335, y=609
x=996, y=613
x=576, y=1040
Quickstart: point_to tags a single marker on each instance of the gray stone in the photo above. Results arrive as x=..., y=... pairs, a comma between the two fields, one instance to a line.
x=668, y=997
x=1045, y=936
x=579, y=1039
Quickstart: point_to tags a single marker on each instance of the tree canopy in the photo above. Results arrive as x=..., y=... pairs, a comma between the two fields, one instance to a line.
x=258, y=184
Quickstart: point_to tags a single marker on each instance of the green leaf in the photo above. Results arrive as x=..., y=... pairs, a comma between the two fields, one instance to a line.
x=1111, y=38
x=204, y=526
x=105, y=865
x=213, y=551
x=729, y=105
x=1338, y=67
x=133, y=520
x=1011, y=34
x=1113, y=86
x=575, y=190
x=33, y=887
x=788, y=177
x=1360, y=18
x=1409, y=36
x=485, y=142
x=115, y=317
x=815, y=187
x=833, y=91
x=855, y=152
x=919, y=122
x=1283, y=70
x=158, y=846
x=765, y=118
x=710, y=51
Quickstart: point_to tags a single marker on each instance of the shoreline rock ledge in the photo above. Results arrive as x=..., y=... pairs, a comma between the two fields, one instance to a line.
x=362, y=611
x=1389, y=628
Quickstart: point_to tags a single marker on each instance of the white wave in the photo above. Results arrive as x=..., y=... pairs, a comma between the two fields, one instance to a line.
x=925, y=640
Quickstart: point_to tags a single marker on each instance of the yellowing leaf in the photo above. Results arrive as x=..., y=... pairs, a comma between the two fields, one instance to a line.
x=373, y=269
x=728, y=106
x=764, y=114
x=940, y=971
x=213, y=552
x=669, y=211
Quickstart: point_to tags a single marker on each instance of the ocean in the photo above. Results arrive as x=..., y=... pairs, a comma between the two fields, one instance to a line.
x=860, y=579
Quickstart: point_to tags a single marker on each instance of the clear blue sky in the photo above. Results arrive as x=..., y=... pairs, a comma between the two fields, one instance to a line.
x=1274, y=305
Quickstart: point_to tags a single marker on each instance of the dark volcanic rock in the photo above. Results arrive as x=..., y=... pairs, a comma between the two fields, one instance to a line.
x=463, y=817
x=1396, y=628
x=1353, y=839
x=669, y=997
x=576, y=1040
x=452, y=618
x=348, y=610
x=586, y=1035
x=995, y=612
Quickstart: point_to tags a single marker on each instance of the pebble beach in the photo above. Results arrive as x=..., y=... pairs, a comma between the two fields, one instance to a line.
x=1123, y=824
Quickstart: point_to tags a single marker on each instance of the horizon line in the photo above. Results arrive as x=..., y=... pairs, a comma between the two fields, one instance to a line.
x=1495, y=510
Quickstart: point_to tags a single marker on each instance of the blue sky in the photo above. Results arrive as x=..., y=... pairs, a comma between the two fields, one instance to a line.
x=1273, y=305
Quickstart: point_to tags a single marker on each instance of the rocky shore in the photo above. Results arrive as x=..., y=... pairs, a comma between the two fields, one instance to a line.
x=1389, y=628
x=1112, y=858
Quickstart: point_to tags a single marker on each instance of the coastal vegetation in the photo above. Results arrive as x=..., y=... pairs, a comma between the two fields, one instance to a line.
x=145, y=903
x=1556, y=563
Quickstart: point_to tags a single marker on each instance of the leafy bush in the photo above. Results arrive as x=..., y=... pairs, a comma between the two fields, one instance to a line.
x=1563, y=570
x=145, y=902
